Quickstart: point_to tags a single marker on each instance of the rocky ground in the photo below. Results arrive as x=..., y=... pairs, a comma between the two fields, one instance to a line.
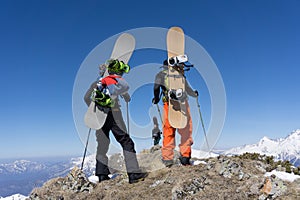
x=214, y=178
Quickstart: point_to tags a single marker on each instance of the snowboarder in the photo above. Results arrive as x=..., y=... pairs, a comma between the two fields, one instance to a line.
x=104, y=93
x=156, y=133
x=161, y=87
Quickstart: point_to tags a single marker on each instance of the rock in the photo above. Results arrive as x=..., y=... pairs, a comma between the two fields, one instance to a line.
x=267, y=186
x=155, y=148
x=188, y=188
x=61, y=188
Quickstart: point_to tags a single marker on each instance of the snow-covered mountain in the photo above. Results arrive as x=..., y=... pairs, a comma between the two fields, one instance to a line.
x=14, y=197
x=203, y=154
x=89, y=163
x=21, y=166
x=21, y=176
x=282, y=149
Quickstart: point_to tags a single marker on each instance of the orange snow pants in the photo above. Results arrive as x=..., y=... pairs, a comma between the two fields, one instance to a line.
x=169, y=136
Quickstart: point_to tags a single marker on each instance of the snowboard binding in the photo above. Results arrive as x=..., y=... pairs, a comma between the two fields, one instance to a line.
x=177, y=60
x=179, y=63
x=177, y=94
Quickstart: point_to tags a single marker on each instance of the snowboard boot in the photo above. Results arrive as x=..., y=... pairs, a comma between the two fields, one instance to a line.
x=168, y=163
x=103, y=177
x=136, y=177
x=185, y=160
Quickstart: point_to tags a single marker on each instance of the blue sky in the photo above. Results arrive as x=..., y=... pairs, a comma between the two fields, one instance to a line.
x=255, y=45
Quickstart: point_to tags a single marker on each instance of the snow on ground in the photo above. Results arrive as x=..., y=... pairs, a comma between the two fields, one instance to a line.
x=94, y=179
x=198, y=162
x=14, y=197
x=203, y=154
x=283, y=175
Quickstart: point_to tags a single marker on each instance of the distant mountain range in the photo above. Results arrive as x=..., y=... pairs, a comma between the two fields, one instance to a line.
x=287, y=148
x=21, y=176
x=89, y=163
x=21, y=166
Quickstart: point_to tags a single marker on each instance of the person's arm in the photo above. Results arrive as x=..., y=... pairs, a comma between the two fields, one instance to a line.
x=189, y=90
x=126, y=96
x=121, y=87
x=156, y=89
x=87, y=96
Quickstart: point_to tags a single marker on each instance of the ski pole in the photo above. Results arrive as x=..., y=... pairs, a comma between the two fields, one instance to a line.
x=158, y=109
x=127, y=117
x=84, y=154
x=202, y=124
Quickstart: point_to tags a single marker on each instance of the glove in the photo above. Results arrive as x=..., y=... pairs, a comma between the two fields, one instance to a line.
x=172, y=95
x=196, y=93
x=126, y=97
x=155, y=100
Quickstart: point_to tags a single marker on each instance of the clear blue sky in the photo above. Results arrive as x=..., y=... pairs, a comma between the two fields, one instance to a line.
x=254, y=43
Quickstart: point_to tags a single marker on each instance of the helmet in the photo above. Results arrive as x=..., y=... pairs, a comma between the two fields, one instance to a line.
x=116, y=66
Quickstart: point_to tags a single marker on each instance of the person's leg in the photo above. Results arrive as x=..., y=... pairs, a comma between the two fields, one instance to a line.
x=168, y=139
x=102, y=136
x=121, y=135
x=186, y=140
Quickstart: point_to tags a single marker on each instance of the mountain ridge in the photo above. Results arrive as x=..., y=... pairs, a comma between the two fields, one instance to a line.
x=287, y=148
x=221, y=177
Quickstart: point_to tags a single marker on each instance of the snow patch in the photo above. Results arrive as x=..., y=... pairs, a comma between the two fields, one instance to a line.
x=94, y=179
x=283, y=175
x=198, y=162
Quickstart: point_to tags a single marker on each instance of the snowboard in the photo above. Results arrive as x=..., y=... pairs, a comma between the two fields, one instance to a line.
x=177, y=113
x=122, y=50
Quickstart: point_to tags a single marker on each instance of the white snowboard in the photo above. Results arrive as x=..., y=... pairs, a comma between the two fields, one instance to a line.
x=176, y=80
x=123, y=49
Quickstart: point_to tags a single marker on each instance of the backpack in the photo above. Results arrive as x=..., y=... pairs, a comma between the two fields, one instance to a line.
x=174, y=94
x=102, y=95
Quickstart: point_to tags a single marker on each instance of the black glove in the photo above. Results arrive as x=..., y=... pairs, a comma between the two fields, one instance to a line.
x=155, y=100
x=126, y=97
x=196, y=93
x=172, y=95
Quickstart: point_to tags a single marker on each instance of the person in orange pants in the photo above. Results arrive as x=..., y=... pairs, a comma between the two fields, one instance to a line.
x=169, y=131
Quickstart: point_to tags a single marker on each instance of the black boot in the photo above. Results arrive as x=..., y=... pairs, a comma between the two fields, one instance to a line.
x=103, y=177
x=136, y=177
x=185, y=160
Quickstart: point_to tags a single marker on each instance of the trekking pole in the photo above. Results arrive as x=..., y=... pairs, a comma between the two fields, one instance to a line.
x=202, y=124
x=86, y=145
x=158, y=109
x=127, y=117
